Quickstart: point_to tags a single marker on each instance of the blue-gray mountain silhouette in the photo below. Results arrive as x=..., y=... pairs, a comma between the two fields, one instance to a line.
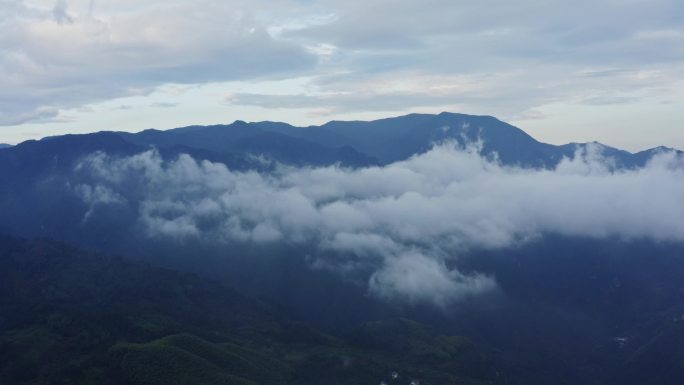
x=242, y=145
x=361, y=143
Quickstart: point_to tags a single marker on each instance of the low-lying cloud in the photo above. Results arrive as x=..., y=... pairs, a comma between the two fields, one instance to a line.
x=403, y=224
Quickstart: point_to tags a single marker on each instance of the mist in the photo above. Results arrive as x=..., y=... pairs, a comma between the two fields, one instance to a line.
x=401, y=226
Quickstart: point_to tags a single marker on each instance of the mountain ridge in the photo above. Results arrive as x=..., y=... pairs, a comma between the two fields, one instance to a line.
x=402, y=124
x=358, y=143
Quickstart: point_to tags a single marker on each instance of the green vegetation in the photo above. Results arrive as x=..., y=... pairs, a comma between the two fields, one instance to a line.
x=187, y=359
x=71, y=317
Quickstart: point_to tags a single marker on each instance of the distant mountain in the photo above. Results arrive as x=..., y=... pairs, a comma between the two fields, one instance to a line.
x=242, y=145
x=398, y=138
x=56, y=155
x=245, y=138
x=4, y=145
x=34, y=158
x=360, y=143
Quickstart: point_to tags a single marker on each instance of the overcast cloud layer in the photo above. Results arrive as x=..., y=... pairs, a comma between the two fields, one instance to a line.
x=574, y=67
x=65, y=57
x=403, y=223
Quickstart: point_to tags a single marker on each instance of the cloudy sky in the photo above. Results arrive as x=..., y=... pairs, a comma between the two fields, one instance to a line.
x=606, y=70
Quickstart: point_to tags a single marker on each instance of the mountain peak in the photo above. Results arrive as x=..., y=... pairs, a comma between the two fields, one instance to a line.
x=357, y=143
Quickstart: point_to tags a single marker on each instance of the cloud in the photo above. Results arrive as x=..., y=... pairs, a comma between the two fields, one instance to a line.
x=508, y=92
x=493, y=57
x=18, y=114
x=60, y=12
x=97, y=195
x=418, y=278
x=567, y=70
x=475, y=32
x=404, y=225
x=164, y=105
x=60, y=59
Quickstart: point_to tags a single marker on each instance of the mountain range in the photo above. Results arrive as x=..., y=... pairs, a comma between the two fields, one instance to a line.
x=347, y=143
x=88, y=295
x=359, y=143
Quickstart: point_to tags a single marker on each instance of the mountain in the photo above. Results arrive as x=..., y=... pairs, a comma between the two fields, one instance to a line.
x=244, y=138
x=70, y=316
x=620, y=303
x=396, y=139
x=55, y=155
x=566, y=309
x=38, y=177
x=385, y=140
x=5, y=145
x=34, y=158
x=242, y=145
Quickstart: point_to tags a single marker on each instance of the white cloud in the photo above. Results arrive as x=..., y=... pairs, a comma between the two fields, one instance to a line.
x=61, y=59
x=95, y=196
x=404, y=223
x=419, y=278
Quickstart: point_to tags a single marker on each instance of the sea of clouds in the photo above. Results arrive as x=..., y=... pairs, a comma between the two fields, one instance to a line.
x=405, y=223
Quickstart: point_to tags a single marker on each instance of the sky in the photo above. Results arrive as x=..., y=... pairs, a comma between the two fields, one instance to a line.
x=604, y=70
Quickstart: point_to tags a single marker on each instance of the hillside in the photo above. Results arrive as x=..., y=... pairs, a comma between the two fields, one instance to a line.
x=340, y=252
x=69, y=316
